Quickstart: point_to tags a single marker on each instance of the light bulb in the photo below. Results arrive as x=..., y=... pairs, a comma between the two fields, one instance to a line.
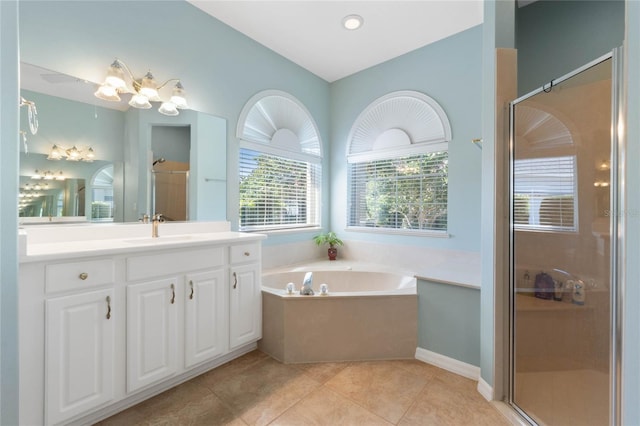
x=178, y=96
x=107, y=93
x=148, y=87
x=140, y=101
x=168, y=108
x=115, y=76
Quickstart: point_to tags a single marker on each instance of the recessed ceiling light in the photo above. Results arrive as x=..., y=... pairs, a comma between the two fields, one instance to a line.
x=352, y=22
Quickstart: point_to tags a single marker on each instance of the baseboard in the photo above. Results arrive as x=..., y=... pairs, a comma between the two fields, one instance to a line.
x=458, y=367
x=485, y=389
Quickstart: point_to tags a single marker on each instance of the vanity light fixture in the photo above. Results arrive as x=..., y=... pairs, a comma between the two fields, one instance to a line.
x=352, y=22
x=145, y=90
x=58, y=152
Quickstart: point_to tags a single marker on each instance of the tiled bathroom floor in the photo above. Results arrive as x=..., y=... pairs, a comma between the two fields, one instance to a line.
x=257, y=390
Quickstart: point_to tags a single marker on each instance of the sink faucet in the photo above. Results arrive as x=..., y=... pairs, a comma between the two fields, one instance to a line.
x=157, y=218
x=306, y=289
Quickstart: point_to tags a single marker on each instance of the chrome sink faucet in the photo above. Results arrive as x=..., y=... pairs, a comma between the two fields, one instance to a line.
x=157, y=218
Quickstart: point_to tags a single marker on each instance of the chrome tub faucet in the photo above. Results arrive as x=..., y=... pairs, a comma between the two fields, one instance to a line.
x=306, y=289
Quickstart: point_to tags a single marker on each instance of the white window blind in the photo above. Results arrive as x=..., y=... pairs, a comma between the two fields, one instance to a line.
x=408, y=193
x=545, y=194
x=277, y=192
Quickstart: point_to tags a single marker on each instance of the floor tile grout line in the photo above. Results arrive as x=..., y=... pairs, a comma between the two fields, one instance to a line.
x=325, y=381
x=356, y=403
x=290, y=366
x=413, y=402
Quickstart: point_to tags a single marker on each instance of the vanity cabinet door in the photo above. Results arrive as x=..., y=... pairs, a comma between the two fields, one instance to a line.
x=152, y=316
x=206, y=322
x=245, y=304
x=79, y=344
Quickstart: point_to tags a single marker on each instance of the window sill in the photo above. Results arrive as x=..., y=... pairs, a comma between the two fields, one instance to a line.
x=287, y=231
x=404, y=232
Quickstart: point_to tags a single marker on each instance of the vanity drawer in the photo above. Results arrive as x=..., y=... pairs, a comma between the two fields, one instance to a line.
x=79, y=275
x=245, y=253
x=167, y=263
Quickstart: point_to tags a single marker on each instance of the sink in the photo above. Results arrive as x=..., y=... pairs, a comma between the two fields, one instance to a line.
x=161, y=239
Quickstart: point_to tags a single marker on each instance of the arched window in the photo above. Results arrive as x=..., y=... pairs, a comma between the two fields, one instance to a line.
x=398, y=165
x=280, y=164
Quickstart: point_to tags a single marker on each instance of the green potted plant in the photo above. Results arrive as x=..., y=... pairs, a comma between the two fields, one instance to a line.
x=329, y=238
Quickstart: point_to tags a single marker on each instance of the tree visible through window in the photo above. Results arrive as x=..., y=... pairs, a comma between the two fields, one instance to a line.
x=277, y=192
x=407, y=193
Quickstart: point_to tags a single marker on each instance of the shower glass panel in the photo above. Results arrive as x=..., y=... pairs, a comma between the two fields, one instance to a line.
x=561, y=190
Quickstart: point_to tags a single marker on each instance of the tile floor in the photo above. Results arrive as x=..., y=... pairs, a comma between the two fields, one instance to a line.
x=255, y=389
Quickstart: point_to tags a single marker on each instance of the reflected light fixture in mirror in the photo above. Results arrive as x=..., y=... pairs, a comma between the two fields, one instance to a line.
x=48, y=175
x=58, y=152
x=145, y=90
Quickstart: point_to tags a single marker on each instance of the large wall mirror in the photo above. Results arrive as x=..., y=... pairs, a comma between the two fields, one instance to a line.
x=93, y=160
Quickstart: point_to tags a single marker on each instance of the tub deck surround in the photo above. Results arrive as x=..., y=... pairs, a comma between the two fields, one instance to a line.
x=51, y=242
x=367, y=315
x=454, y=267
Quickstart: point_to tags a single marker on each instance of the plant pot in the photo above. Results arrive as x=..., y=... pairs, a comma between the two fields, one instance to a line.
x=332, y=252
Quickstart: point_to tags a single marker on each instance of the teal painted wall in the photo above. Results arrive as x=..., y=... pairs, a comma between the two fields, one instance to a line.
x=9, y=117
x=555, y=37
x=452, y=332
x=449, y=71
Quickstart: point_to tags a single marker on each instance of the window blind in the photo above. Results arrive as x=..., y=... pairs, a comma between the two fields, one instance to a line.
x=408, y=193
x=545, y=194
x=277, y=192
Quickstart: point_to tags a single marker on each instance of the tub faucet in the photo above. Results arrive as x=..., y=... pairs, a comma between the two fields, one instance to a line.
x=306, y=289
x=157, y=218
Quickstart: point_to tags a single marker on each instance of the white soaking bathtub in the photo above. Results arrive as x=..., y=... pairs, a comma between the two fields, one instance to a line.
x=365, y=316
x=341, y=283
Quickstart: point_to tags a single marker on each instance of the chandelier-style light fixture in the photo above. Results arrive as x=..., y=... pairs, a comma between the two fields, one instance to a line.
x=145, y=90
x=71, y=154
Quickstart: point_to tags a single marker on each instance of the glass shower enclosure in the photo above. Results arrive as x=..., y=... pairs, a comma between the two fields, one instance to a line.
x=562, y=284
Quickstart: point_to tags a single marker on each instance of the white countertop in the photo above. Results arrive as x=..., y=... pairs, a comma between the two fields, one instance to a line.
x=40, y=243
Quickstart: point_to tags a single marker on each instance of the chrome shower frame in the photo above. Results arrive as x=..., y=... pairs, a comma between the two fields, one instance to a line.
x=617, y=226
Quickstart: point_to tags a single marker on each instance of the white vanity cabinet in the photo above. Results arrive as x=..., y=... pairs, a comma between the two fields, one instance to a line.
x=79, y=337
x=80, y=345
x=206, y=316
x=245, y=300
x=152, y=332
x=161, y=320
x=102, y=331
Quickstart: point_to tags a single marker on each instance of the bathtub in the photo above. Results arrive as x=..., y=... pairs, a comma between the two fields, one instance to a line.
x=365, y=316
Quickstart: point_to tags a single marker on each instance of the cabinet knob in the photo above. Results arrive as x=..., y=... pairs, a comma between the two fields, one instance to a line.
x=246, y=253
x=83, y=276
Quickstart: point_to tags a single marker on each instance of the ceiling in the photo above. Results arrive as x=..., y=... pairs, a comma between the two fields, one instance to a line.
x=310, y=32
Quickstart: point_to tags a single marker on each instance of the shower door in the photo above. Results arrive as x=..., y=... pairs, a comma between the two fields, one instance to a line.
x=561, y=193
